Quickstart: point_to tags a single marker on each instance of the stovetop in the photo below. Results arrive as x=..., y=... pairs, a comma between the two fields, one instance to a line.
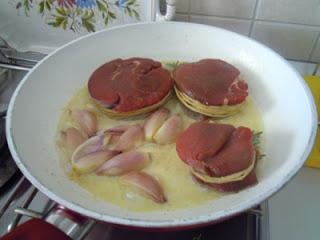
x=20, y=201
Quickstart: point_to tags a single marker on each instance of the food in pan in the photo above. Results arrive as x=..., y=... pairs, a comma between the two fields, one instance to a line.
x=130, y=87
x=219, y=155
x=132, y=162
x=211, y=87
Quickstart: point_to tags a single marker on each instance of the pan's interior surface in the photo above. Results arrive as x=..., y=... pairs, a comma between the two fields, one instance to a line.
x=286, y=106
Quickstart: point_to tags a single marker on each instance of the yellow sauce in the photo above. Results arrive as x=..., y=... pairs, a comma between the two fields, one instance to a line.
x=174, y=176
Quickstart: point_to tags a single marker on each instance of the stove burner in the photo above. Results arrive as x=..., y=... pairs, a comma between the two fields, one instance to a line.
x=7, y=166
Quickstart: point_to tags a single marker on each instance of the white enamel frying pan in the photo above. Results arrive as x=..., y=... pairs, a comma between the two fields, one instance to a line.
x=285, y=102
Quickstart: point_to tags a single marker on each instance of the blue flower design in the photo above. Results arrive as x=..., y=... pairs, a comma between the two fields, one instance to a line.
x=122, y=3
x=76, y=14
x=86, y=3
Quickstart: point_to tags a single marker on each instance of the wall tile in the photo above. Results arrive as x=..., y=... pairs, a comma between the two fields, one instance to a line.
x=304, y=68
x=294, y=11
x=291, y=41
x=235, y=25
x=316, y=53
x=230, y=8
x=181, y=18
x=182, y=6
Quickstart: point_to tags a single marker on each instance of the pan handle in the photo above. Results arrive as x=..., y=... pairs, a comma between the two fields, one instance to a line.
x=58, y=223
x=36, y=229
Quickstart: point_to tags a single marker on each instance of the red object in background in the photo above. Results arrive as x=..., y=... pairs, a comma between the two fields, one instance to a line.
x=36, y=229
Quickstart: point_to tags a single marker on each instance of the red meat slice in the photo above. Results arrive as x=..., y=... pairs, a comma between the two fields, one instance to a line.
x=200, y=141
x=236, y=155
x=211, y=82
x=218, y=150
x=131, y=84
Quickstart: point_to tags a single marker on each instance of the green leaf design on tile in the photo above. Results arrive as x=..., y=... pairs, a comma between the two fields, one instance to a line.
x=136, y=14
x=47, y=4
x=79, y=15
x=88, y=20
x=102, y=6
x=27, y=4
x=112, y=15
x=62, y=12
x=61, y=18
x=41, y=7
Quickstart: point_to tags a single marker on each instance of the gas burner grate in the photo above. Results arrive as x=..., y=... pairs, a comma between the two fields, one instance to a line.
x=246, y=226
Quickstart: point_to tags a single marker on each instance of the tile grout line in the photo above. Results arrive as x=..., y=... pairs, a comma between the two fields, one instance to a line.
x=314, y=46
x=288, y=23
x=189, y=10
x=219, y=16
x=300, y=60
x=253, y=17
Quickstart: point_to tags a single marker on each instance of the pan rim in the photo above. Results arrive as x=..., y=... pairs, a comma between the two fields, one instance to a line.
x=188, y=222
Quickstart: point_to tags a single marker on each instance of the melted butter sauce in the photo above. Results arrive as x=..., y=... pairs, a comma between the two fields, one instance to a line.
x=174, y=176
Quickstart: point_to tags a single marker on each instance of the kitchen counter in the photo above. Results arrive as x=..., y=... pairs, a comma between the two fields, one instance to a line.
x=295, y=210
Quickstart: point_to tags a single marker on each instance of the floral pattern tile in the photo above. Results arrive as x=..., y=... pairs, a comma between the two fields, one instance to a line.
x=78, y=15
